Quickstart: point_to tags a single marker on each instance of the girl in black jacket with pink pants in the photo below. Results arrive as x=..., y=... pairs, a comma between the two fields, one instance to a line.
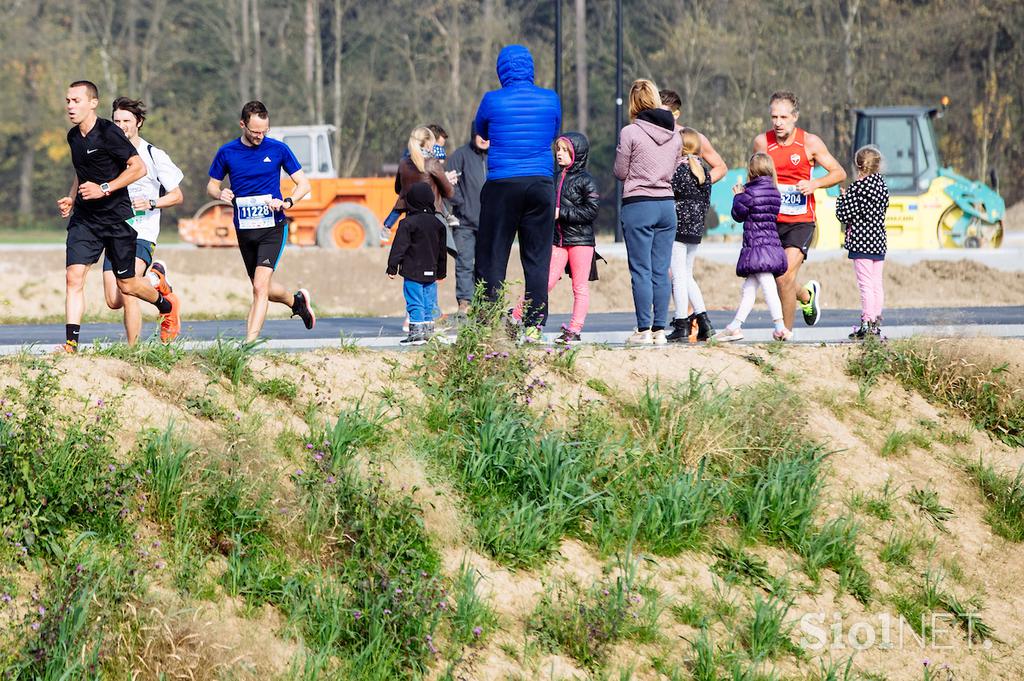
x=576, y=204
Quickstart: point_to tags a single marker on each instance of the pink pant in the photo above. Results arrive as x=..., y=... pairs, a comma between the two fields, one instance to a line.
x=869, y=281
x=579, y=258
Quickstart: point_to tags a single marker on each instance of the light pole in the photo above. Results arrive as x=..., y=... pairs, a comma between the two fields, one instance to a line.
x=618, y=112
x=558, y=49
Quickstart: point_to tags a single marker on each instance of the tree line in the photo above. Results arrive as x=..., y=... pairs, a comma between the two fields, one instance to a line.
x=374, y=70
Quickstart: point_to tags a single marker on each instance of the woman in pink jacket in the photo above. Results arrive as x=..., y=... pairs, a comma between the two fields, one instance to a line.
x=645, y=160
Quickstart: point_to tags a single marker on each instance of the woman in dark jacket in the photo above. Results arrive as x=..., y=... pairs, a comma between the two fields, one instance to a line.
x=576, y=204
x=762, y=258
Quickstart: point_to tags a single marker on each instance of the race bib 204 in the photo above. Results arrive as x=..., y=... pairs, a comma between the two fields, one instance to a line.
x=793, y=200
x=253, y=212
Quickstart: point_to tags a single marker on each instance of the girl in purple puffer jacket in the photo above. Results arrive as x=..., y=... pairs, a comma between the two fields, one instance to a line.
x=761, y=258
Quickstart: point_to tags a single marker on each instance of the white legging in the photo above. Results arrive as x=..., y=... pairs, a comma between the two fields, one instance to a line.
x=685, y=291
x=771, y=296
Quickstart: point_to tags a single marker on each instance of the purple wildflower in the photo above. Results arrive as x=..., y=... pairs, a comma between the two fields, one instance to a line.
x=357, y=614
x=477, y=631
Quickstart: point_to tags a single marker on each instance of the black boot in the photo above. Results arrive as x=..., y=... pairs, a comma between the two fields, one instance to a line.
x=704, y=328
x=680, y=330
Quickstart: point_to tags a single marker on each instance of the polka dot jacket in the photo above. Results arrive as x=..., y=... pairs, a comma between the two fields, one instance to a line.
x=862, y=210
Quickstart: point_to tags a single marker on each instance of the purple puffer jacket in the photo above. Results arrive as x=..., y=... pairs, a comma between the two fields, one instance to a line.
x=757, y=207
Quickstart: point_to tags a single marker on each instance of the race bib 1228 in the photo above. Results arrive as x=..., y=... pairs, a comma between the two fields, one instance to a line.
x=253, y=212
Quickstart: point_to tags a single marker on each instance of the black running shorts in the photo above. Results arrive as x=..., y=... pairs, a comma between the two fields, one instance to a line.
x=797, y=235
x=262, y=247
x=87, y=242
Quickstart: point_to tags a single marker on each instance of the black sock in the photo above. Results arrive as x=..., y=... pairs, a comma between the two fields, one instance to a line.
x=162, y=304
x=644, y=328
x=71, y=332
x=657, y=328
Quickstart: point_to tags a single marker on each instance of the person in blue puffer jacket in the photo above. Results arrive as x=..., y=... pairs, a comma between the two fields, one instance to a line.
x=521, y=121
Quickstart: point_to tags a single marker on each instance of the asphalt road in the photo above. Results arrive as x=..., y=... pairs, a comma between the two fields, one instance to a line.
x=608, y=327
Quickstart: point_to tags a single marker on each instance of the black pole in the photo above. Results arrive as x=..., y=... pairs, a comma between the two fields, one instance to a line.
x=558, y=49
x=618, y=112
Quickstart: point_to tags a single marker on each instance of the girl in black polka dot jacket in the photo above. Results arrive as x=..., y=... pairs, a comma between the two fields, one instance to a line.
x=861, y=208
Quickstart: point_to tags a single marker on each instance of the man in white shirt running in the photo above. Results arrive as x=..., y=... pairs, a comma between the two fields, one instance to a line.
x=159, y=189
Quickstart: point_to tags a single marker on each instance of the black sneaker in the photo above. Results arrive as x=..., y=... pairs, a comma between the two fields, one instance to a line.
x=303, y=307
x=812, y=308
x=567, y=337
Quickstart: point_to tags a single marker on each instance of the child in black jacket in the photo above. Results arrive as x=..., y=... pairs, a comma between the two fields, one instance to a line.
x=418, y=254
x=576, y=205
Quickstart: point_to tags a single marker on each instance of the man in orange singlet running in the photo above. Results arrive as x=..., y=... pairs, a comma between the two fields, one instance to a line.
x=795, y=152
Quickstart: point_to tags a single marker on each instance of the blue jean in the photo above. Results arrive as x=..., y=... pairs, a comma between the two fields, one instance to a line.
x=649, y=228
x=420, y=300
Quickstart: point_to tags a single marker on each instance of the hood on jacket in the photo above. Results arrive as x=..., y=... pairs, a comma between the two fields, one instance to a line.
x=579, y=147
x=515, y=65
x=658, y=124
x=420, y=198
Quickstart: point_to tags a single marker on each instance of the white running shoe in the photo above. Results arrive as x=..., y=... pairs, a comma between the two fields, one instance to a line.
x=728, y=334
x=641, y=338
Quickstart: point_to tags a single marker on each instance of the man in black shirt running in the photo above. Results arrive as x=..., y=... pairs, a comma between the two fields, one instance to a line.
x=98, y=204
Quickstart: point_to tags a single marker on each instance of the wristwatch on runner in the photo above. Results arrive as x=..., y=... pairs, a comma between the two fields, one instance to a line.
x=152, y=204
x=105, y=188
x=289, y=202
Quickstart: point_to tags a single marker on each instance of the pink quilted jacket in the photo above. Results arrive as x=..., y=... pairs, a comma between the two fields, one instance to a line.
x=647, y=154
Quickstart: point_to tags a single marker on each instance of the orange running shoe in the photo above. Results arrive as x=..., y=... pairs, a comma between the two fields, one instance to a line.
x=159, y=271
x=170, y=323
x=66, y=348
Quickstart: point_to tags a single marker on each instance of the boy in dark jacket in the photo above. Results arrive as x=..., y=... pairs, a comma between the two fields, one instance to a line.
x=418, y=254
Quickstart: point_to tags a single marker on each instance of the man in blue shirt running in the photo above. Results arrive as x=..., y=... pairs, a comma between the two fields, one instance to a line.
x=254, y=163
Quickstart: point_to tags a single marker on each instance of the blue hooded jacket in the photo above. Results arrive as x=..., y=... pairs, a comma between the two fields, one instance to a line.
x=521, y=120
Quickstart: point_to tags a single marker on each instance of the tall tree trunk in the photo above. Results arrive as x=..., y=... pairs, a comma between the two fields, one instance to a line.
x=132, y=47
x=151, y=43
x=582, y=94
x=257, y=50
x=339, y=112
x=308, y=59
x=844, y=119
x=26, y=172
x=245, y=66
x=318, y=67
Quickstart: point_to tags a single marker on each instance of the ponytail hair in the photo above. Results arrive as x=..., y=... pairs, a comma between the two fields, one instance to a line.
x=643, y=95
x=691, y=150
x=420, y=137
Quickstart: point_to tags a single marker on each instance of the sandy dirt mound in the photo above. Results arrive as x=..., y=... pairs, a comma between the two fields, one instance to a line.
x=212, y=284
x=978, y=562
